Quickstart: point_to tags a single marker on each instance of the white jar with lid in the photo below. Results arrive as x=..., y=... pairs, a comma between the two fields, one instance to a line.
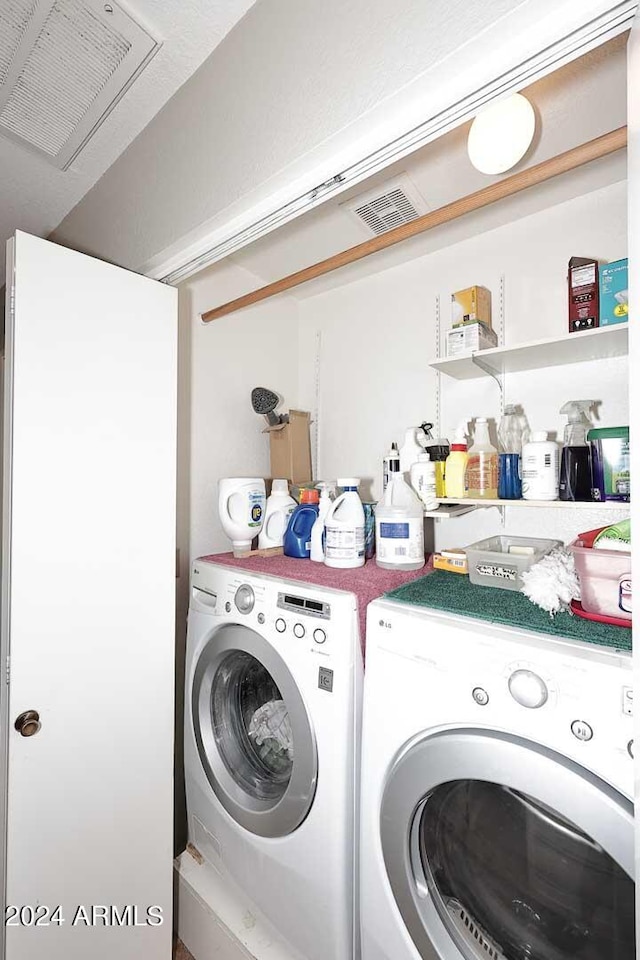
x=540, y=468
x=423, y=481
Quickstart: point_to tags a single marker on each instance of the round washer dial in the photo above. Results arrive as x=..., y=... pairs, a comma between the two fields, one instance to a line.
x=528, y=689
x=244, y=598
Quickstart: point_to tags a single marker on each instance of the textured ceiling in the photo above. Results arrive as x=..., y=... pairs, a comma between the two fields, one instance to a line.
x=34, y=195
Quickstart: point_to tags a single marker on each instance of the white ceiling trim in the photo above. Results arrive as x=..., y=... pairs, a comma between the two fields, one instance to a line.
x=190, y=256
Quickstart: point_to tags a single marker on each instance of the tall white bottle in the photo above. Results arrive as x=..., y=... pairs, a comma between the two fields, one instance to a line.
x=317, y=530
x=344, y=528
x=540, y=468
x=279, y=508
x=400, y=528
x=411, y=449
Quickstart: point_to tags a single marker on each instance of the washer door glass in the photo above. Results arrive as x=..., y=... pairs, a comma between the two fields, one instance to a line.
x=509, y=874
x=253, y=732
x=251, y=726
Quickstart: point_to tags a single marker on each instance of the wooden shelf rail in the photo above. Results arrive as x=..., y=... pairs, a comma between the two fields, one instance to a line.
x=532, y=176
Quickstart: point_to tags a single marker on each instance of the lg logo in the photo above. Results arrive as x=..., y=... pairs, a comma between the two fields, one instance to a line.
x=385, y=624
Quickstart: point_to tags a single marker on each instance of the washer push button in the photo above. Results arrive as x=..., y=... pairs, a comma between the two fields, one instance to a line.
x=581, y=730
x=480, y=696
x=319, y=635
x=298, y=631
x=281, y=625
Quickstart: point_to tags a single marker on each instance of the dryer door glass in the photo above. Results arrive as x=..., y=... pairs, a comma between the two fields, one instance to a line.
x=511, y=876
x=251, y=726
x=499, y=848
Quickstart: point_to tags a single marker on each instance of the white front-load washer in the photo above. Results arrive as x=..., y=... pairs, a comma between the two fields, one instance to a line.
x=497, y=785
x=272, y=715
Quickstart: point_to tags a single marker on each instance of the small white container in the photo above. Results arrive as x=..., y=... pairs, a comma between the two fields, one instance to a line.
x=344, y=528
x=540, y=468
x=279, y=508
x=423, y=481
x=400, y=528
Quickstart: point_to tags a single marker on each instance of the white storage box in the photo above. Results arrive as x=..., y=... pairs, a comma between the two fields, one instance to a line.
x=469, y=339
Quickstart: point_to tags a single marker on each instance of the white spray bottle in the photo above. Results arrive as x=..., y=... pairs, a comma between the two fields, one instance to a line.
x=317, y=530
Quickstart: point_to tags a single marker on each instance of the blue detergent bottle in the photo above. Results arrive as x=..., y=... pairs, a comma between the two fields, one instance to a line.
x=297, y=536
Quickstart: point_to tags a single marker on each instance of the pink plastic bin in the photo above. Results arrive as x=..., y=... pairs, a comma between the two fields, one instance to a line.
x=605, y=580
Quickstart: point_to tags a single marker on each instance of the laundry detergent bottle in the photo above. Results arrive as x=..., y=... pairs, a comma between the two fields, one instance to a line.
x=297, y=536
x=279, y=508
x=344, y=528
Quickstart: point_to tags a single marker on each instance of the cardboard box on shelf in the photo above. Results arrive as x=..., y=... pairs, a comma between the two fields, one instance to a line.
x=470, y=306
x=469, y=339
x=614, y=292
x=290, y=448
x=453, y=560
x=582, y=281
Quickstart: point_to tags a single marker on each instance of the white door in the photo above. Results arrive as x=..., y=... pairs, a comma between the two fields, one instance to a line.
x=633, y=204
x=88, y=581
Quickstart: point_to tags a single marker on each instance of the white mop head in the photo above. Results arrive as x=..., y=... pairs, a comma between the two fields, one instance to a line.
x=552, y=583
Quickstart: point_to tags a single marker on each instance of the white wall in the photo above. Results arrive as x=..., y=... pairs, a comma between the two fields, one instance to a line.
x=297, y=92
x=258, y=347
x=378, y=334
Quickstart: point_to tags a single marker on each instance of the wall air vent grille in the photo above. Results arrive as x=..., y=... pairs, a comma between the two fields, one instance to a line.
x=388, y=206
x=63, y=66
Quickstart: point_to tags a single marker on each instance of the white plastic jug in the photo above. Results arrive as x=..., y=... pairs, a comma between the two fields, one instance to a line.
x=280, y=506
x=241, y=504
x=400, y=528
x=344, y=528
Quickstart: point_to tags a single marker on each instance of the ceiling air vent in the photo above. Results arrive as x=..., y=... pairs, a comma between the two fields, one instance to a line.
x=63, y=65
x=388, y=206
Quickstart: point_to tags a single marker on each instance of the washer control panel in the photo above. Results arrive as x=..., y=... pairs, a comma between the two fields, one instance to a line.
x=306, y=606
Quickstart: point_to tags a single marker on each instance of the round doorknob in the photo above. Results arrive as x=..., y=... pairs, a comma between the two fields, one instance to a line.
x=28, y=723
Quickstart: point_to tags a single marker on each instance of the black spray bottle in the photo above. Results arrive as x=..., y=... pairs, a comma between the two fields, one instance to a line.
x=575, y=465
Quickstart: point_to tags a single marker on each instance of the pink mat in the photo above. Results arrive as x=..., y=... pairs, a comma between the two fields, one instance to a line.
x=366, y=582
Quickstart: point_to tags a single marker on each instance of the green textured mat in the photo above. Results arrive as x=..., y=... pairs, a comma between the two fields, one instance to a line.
x=455, y=593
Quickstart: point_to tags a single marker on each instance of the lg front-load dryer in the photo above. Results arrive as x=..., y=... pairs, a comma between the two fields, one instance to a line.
x=273, y=697
x=497, y=785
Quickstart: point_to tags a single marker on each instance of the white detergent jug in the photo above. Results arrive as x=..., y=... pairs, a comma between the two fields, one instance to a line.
x=241, y=503
x=280, y=506
x=399, y=528
x=344, y=528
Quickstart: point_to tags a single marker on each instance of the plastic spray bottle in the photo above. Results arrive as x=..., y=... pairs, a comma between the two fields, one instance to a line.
x=413, y=446
x=390, y=465
x=575, y=463
x=456, y=464
x=317, y=530
x=509, y=470
x=481, y=480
